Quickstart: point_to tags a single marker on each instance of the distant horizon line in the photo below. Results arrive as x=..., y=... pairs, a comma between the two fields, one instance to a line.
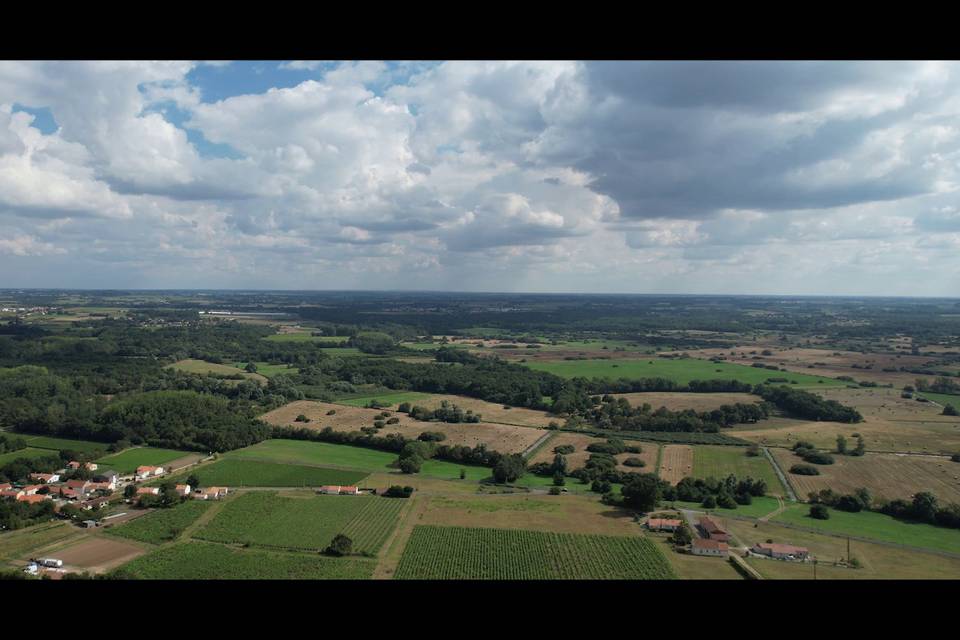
x=505, y=293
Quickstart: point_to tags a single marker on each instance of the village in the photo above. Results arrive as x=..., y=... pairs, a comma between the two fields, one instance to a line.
x=91, y=496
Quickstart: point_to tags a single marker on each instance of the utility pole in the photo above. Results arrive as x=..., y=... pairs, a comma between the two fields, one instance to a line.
x=848, y=549
x=814, y=569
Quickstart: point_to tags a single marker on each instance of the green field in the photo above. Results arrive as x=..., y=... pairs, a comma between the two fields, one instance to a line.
x=460, y=553
x=303, y=523
x=29, y=452
x=680, y=370
x=942, y=398
x=877, y=526
x=756, y=509
x=128, y=461
x=387, y=399
x=61, y=444
x=203, y=561
x=209, y=368
x=719, y=462
x=162, y=525
x=269, y=370
x=233, y=472
x=305, y=337
x=341, y=455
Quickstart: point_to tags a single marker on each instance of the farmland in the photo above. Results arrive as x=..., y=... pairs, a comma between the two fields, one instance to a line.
x=719, y=462
x=676, y=463
x=452, y=553
x=886, y=475
x=216, y=370
x=499, y=437
x=64, y=444
x=681, y=401
x=578, y=458
x=29, y=452
x=877, y=526
x=204, y=561
x=681, y=370
x=97, y=554
x=760, y=507
x=268, y=370
x=234, y=472
x=162, y=525
x=127, y=461
x=387, y=400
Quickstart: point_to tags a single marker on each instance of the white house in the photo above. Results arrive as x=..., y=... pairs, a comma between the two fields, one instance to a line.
x=781, y=551
x=144, y=472
x=706, y=547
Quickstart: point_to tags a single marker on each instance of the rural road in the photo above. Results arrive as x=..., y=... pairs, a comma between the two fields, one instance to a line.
x=779, y=472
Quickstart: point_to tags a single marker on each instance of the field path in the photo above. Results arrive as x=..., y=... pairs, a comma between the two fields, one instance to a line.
x=783, y=478
x=395, y=545
x=780, y=507
x=536, y=446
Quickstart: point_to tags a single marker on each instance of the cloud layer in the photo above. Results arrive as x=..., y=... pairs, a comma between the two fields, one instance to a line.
x=788, y=177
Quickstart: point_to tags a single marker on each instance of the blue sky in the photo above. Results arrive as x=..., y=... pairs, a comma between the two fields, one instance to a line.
x=699, y=177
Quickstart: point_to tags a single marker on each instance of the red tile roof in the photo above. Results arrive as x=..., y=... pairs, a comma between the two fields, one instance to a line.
x=701, y=543
x=710, y=526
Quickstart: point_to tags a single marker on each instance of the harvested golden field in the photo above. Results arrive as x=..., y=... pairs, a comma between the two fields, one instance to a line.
x=880, y=562
x=695, y=401
x=891, y=423
x=565, y=514
x=499, y=437
x=886, y=475
x=579, y=457
x=676, y=462
x=491, y=412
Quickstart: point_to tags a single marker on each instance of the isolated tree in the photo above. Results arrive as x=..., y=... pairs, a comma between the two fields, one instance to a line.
x=193, y=480
x=509, y=468
x=411, y=464
x=819, y=511
x=341, y=545
x=861, y=447
x=682, y=535
x=129, y=491
x=250, y=368
x=642, y=492
x=950, y=410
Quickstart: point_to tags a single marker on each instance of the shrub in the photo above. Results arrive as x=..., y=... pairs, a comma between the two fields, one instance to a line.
x=955, y=457
x=341, y=545
x=302, y=418
x=710, y=502
x=753, y=450
x=411, y=464
x=819, y=511
x=432, y=436
x=555, y=491
x=950, y=410
x=564, y=449
x=404, y=407
x=393, y=420
x=804, y=470
x=818, y=457
x=396, y=491
x=634, y=462
x=332, y=412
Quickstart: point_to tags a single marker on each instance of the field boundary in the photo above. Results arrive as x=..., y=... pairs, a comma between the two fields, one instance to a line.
x=536, y=446
x=783, y=479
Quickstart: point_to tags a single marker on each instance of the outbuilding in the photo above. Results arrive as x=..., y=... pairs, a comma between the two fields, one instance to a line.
x=706, y=547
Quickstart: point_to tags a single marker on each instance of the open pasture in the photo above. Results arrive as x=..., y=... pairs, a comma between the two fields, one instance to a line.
x=204, y=561
x=681, y=370
x=877, y=526
x=235, y=472
x=216, y=370
x=886, y=475
x=29, y=452
x=267, y=370
x=879, y=562
x=162, y=525
x=128, y=460
x=458, y=553
x=580, y=442
x=499, y=437
x=388, y=400
x=719, y=462
x=676, y=463
x=64, y=444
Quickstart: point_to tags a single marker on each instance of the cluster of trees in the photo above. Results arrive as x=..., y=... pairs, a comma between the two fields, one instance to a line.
x=924, y=508
x=11, y=443
x=446, y=412
x=804, y=470
x=940, y=384
x=859, y=500
x=617, y=414
x=17, y=515
x=636, y=385
x=809, y=453
x=712, y=492
x=803, y=404
x=396, y=491
x=373, y=342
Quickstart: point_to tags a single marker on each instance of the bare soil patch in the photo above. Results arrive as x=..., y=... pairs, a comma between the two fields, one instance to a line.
x=98, y=553
x=499, y=437
x=676, y=463
x=886, y=475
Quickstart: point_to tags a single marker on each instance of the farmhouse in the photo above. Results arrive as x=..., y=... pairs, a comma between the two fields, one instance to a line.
x=349, y=491
x=12, y=493
x=31, y=489
x=5, y=485
x=182, y=490
x=330, y=489
x=145, y=471
x=210, y=493
x=89, y=466
x=662, y=524
x=701, y=547
x=151, y=491
x=107, y=477
x=45, y=478
x=81, y=487
x=781, y=551
x=712, y=530
x=96, y=503
x=32, y=498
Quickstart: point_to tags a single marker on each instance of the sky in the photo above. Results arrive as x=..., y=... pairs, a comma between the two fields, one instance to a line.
x=534, y=176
